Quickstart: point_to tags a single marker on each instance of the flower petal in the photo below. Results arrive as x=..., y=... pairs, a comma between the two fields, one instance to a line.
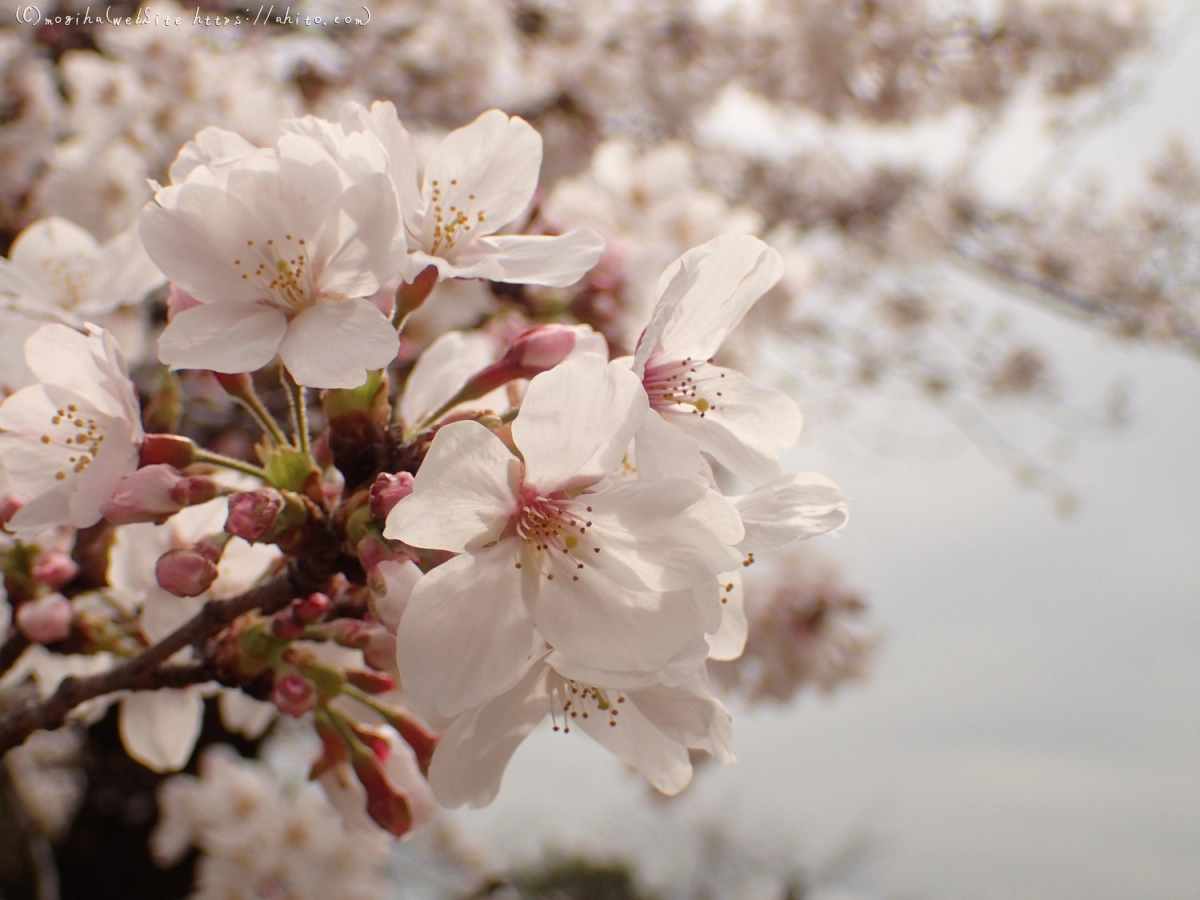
x=729, y=640
x=789, y=508
x=556, y=261
x=223, y=337
x=576, y=422
x=475, y=748
x=463, y=495
x=441, y=370
x=333, y=343
x=465, y=636
x=159, y=728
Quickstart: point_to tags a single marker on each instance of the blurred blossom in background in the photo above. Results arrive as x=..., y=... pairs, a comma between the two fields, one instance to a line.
x=986, y=684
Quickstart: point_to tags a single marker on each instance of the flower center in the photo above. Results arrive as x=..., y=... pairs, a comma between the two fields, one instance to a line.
x=79, y=435
x=451, y=225
x=690, y=387
x=570, y=700
x=555, y=532
x=282, y=270
x=69, y=279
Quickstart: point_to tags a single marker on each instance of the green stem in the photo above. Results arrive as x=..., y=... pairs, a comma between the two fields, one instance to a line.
x=299, y=412
x=228, y=462
x=263, y=416
x=366, y=700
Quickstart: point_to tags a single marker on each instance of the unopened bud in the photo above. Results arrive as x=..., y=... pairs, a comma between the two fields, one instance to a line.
x=388, y=490
x=171, y=449
x=252, y=515
x=386, y=805
x=352, y=633
x=189, y=571
x=370, y=682
x=46, y=619
x=54, y=569
x=422, y=741
x=311, y=608
x=293, y=695
x=284, y=624
x=541, y=348
x=155, y=493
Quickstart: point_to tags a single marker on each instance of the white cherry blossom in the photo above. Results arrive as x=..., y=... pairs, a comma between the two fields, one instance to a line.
x=282, y=248
x=702, y=297
x=480, y=178
x=647, y=720
x=613, y=573
x=67, y=441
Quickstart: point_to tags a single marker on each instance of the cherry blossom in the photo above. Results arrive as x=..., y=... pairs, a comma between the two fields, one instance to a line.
x=647, y=720
x=67, y=441
x=703, y=295
x=480, y=178
x=282, y=248
x=614, y=573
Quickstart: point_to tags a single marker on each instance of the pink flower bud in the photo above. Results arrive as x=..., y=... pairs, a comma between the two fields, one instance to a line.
x=294, y=695
x=186, y=572
x=172, y=449
x=385, y=803
x=311, y=608
x=284, y=624
x=54, y=569
x=252, y=514
x=352, y=633
x=10, y=504
x=145, y=496
x=194, y=490
x=388, y=490
x=370, y=682
x=46, y=619
x=541, y=348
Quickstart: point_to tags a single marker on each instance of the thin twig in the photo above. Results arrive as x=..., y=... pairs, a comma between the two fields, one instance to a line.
x=301, y=578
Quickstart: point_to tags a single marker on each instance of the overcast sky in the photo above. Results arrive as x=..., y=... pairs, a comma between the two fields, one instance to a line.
x=1032, y=727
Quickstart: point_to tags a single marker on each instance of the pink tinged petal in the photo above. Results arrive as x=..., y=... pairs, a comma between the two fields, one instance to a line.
x=463, y=494
x=744, y=428
x=198, y=240
x=475, y=748
x=662, y=535
x=441, y=370
x=576, y=422
x=487, y=171
x=729, y=640
x=790, y=508
x=466, y=636
x=730, y=273
x=223, y=337
x=213, y=148
x=636, y=740
x=597, y=623
x=333, y=343
x=556, y=261
x=684, y=278
x=159, y=728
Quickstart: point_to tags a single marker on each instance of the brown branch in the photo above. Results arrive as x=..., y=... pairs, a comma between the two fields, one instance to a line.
x=302, y=577
x=11, y=650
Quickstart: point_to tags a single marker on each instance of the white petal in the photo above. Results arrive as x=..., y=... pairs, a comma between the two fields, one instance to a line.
x=463, y=494
x=690, y=715
x=745, y=427
x=466, y=636
x=488, y=168
x=556, y=261
x=576, y=422
x=663, y=451
x=441, y=370
x=213, y=148
x=728, y=641
x=399, y=579
x=159, y=728
x=244, y=715
x=789, y=508
x=475, y=749
x=54, y=238
x=333, y=343
x=223, y=337
x=730, y=273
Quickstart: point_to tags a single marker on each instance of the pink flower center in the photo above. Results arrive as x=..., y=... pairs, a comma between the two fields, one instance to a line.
x=687, y=386
x=555, y=532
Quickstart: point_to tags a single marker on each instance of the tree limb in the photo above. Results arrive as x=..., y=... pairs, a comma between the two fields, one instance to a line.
x=302, y=577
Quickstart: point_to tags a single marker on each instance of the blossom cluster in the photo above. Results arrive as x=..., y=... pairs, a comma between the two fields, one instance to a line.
x=461, y=538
